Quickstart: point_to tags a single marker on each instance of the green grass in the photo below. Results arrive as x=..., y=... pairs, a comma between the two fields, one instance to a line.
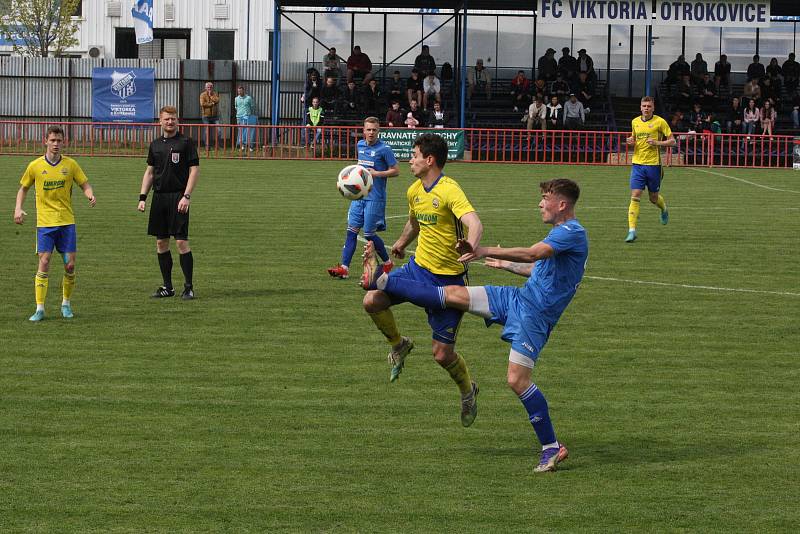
x=264, y=405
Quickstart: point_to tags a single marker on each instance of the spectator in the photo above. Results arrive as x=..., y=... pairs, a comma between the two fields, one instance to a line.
x=684, y=92
x=411, y=121
x=698, y=69
x=245, y=113
x=520, y=91
x=586, y=64
x=585, y=90
x=417, y=113
x=677, y=122
x=437, y=118
x=547, y=66
x=479, y=78
x=796, y=110
x=313, y=86
x=751, y=90
x=414, y=88
x=677, y=70
x=791, y=73
x=553, y=116
x=209, y=109
x=539, y=89
x=774, y=70
x=696, y=118
x=755, y=71
x=330, y=95
x=315, y=117
x=574, y=114
x=567, y=65
x=770, y=91
x=734, y=116
x=396, y=88
x=560, y=88
x=331, y=64
x=537, y=114
x=723, y=69
x=708, y=92
x=424, y=63
x=359, y=65
x=768, y=115
x=352, y=97
x=752, y=117
x=372, y=98
x=395, y=116
x=431, y=89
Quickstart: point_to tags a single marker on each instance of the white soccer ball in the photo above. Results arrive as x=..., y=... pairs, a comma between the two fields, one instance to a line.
x=354, y=182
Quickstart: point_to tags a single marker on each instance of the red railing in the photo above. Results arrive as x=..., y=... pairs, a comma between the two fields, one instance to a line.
x=339, y=143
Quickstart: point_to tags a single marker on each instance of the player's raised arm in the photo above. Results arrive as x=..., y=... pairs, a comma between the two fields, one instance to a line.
x=147, y=183
x=19, y=214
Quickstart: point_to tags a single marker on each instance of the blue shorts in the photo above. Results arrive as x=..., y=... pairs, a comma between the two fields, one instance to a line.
x=62, y=238
x=367, y=214
x=523, y=326
x=646, y=176
x=444, y=323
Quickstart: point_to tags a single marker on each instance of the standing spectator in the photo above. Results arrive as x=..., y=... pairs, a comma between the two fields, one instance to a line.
x=245, y=109
x=431, y=89
x=734, y=116
x=770, y=90
x=209, y=109
x=677, y=70
x=723, y=69
x=330, y=95
x=684, y=92
x=372, y=98
x=536, y=116
x=547, y=66
x=313, y=86
x=395, y=88
x=394, y=116
x=560, y=88
x=708, y=92
x=437, y=118
x=774, y=70
x=414, y=87
x=332, y=64
x=698, y=69
x=553, y=116
x=752, y=117
x=567, y=65
x=359, y=65
x=791, y=73
x=352, y=97
x=425, y=63
x=755, y=71
x=315, y=118
x=768, y=115
x=574, y=114
x=585, y=90
x=520, y=91
x=586, y=64
x=751, y=90
x=479, y=77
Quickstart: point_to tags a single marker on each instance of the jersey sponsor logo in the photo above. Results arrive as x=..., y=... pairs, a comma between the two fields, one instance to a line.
x=366, y=163
x=176, y=157
x=50, y=185
x=427, y=219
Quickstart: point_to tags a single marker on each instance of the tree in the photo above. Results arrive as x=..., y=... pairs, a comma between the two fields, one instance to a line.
x=39, y=27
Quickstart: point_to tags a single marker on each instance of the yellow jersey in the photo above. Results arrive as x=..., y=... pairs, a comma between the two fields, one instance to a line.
x=656, y=128
x=53, y=189
x=438, y=212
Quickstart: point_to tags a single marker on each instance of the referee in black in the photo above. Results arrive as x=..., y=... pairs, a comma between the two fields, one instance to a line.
x=173, y=167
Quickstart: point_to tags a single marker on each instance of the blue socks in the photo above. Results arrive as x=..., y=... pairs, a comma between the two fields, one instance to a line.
x=380, y=248
x=424, y=295
x=349, y=247
x=536, y=406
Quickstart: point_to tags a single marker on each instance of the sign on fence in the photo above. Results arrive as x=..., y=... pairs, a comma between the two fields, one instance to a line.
x=796, y=154
x=402, y=141
x=123, y=95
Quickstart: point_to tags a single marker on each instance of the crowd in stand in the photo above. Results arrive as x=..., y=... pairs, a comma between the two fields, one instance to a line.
x=700, y=100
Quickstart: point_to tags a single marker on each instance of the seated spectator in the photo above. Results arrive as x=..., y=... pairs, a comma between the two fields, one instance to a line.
x=752, y=117
x=547, y=66
x=586, y=64
x=395, y=117
x=352, y=97
x=411, y=121
x=560, y=88
x=553, y=117
x=710, y=124
x=330, y=95
x=414, y=88
x=424, y=63
x=734, y=117
x=332, y=64
x=723, y=69
x=479, y=78
x=708, y=93
x=315, y=117
x=395, y=88
x=769, y=91
x=418, y=114
x=677, y=122
x=359, y=66
x=698, y=69
x=313, y=86
x=768, y=115
x=696, y=118
x=585, y=90
x=796, y=110
x=520, y=91
x=372, y=98
x=774, y=70
x=567, y=65
x=677, y=70
x=684, y=92
x=537, y=114
x=752, y=91
x=539, y=89
x=791, y=73
x=431, y=90
x=574, y=114
x=755, y=71
x=437, y=118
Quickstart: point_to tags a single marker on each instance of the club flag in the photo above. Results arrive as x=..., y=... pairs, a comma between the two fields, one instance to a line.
x=142, y=12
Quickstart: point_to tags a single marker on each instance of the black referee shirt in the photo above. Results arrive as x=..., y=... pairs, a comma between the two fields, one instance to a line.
x=171, y=158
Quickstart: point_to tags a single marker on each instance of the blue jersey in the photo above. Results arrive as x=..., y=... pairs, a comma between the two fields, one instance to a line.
x=378, y=157
x=555, y=280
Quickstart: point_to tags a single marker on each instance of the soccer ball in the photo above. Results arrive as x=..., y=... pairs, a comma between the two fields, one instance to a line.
x=354, y=182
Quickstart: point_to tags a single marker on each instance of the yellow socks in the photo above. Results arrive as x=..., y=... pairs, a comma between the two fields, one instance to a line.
x=460, y=374
x=633, y=213
x=68, y=285
x=40, y=283
x=385, y=322
x=661, y=204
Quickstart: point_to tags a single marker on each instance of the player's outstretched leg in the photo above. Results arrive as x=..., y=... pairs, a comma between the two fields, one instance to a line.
x=469, y=406
x=551, y=458
x=662, y=205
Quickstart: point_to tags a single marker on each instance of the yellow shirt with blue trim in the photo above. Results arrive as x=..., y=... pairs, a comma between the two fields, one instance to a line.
x=438, y=212
x=656, y=128
x=53, y=189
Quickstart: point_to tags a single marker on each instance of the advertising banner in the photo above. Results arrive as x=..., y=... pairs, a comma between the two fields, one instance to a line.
x=123, y=95
x=402, y=141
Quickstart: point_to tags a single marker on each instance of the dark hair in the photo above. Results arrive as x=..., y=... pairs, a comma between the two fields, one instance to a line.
x=562, y=187
x=433, y=145
x=54, y=129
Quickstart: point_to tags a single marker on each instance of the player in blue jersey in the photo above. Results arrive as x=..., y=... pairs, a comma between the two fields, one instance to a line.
x=554, y=267
x=369, y=213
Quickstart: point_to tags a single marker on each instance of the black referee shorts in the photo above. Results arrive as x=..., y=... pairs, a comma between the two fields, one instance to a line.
x=165, y=221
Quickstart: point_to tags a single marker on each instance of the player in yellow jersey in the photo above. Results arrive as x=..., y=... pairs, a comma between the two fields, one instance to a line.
x=649, y=132
x=53, y=176
x=438, y=213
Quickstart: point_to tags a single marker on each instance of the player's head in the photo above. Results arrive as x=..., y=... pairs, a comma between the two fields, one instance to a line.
x=648, y=106
x=371, y=129
x=559, y=197
x=430, y=152
x=54, y=139
x=168, y=119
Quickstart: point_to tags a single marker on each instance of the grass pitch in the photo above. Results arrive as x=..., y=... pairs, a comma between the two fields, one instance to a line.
x=264, y=405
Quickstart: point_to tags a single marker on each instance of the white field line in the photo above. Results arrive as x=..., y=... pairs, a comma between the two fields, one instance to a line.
x=746, y=181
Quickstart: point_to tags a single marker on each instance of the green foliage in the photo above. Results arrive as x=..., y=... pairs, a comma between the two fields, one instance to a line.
x=39, y=27
x=264, y=405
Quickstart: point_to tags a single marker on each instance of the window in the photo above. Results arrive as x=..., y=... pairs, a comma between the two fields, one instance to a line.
x=166, y=44
x=78, y=10
x=221, y=44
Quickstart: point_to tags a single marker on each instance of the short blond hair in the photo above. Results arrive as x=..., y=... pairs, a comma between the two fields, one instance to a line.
x=172, y=110
x=372, y=120
x=648, y=99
